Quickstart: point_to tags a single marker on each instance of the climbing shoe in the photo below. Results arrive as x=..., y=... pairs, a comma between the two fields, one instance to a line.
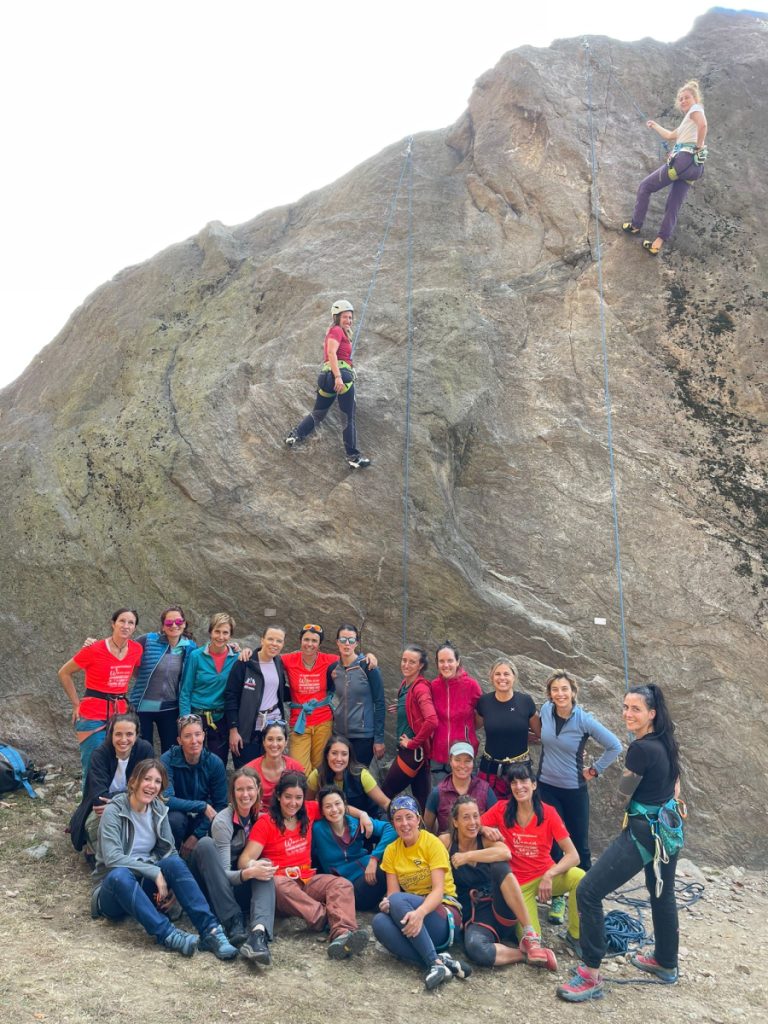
x=628, y=229
x=582, y=987
x=216, y=942
x=651, y=249
x=556, y=913
x=180, y=942
x=292, y=439
x=667, y=975
x=345, y=945
x=436, y=975
x=458, y=968
x=359, y=462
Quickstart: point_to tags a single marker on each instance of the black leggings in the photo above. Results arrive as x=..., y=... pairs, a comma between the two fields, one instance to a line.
x=573, y=807
x=491, y=921
x=397, y=780
x=347, y=406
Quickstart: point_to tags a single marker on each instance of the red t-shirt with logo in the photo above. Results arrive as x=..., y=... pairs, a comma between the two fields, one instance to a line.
x=344, y=351
x=308, y=684
x=289, y=849
x=529, y=847
x=107, y=674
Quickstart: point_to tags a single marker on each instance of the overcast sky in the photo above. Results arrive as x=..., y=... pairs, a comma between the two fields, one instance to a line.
x=129, y=126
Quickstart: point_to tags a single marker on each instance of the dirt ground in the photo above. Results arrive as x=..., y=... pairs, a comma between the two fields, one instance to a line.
x=59, y=966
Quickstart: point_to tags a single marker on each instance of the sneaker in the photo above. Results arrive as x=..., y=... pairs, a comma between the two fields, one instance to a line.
x=572, y=943
x=667, y=975
x=292, y=439
x=216, y=942
x=181, y=942
x=556, y=913
x=458, y=968
x=359, y=462
x=582, y=987
x=345, y=945
x=236, y=931
x=437, y=974
x=255, y=948
x=537, y=955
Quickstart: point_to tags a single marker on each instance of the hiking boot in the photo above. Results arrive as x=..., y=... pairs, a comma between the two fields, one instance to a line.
x=236, y=930
x=181, y=942
x=216, y=942
x=667, y=975
x=458, y=968
x=436, y=975
x=255, y=948
x=292, y=439
x=572, y=943
x=556, y=913
x=537, y=955
x=582, y=987
x=345, y=945
x=359, y=462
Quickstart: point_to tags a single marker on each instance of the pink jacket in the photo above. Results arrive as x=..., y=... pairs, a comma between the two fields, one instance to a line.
x=454, y=701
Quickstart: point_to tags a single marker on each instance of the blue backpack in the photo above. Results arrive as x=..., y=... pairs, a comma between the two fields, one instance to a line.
x=17, y=770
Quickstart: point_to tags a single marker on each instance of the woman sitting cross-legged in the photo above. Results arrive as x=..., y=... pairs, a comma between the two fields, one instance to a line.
x=231, y=891
x=492, y=902
x=420, y=912
x=138, y=871
x=284, y=837
x=339, y=848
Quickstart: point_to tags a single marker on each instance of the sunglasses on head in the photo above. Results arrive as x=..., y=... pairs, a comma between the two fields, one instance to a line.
x=173, y=622
x=189, y=720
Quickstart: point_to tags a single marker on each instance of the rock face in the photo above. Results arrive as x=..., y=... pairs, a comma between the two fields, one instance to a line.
x=142, y=454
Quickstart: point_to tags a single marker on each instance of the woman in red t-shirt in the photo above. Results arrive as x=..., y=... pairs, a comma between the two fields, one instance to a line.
x=274, y=761
x=284, y=837
x=108, y=666
x=336, y=380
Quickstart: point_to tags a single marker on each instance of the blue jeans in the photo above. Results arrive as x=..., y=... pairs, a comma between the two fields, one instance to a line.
x=620, y=862
x=124, y=894
x=421, y=949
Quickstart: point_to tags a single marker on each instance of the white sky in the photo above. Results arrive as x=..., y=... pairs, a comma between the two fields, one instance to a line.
x=128, y=126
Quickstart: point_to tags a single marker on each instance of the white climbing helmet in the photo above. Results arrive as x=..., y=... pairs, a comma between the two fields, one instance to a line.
x=342, y=306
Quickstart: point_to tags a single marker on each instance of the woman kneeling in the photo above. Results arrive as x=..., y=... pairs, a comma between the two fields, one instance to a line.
x=139, y=871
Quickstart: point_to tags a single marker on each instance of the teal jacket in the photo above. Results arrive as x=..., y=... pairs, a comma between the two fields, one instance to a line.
x=202, y=687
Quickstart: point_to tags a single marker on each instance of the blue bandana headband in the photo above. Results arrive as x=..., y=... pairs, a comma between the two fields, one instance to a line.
x=404, y=803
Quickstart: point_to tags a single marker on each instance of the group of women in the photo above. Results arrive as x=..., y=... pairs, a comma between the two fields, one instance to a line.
x=327, y=843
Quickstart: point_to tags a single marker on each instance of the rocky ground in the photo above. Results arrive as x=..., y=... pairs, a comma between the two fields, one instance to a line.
x=60, y=966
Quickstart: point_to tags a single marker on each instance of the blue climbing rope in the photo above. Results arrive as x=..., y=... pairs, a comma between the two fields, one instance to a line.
x=380, y=251
x=408, y=392
x=606, y=378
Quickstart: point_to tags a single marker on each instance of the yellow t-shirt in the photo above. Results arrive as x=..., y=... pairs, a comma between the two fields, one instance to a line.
x=367, y=780
x=413, y=865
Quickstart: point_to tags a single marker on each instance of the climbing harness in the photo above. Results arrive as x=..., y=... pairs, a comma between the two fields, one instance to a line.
x=606, y=379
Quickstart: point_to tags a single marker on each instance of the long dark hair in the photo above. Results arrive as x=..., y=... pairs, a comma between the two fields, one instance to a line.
x=124, y=716
x=423, y=656
x=663, y=726
x=325, y=777
x=465, y=798
x=290, y=780
x=523, y=770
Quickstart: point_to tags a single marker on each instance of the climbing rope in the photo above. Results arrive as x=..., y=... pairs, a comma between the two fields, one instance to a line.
x=408, y=392
x=606, y=379
x=380, y=251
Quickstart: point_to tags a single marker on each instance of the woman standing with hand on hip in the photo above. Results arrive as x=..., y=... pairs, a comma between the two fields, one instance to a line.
x=336, y=381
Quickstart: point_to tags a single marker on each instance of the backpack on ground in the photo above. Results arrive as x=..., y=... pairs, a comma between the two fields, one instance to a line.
x=17, y=770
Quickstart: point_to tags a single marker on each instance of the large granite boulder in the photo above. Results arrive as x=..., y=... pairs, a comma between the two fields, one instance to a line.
x=143, y=457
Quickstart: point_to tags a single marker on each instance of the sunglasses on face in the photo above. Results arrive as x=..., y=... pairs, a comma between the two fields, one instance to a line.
x=346, y=640
x=173, y=622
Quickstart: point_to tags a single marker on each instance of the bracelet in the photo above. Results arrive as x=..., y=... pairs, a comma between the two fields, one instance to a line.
x=241, y=876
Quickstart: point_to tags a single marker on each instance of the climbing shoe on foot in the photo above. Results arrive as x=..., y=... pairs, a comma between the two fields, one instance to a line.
x=216, y=942
x=628, y=229
x=345, y=945
x=651, y=249
x=180, y=942
x=436, y=975
x=668, y=975
x=359, y=462
x=458, y=968
x=582, y=987
x=556, y=913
